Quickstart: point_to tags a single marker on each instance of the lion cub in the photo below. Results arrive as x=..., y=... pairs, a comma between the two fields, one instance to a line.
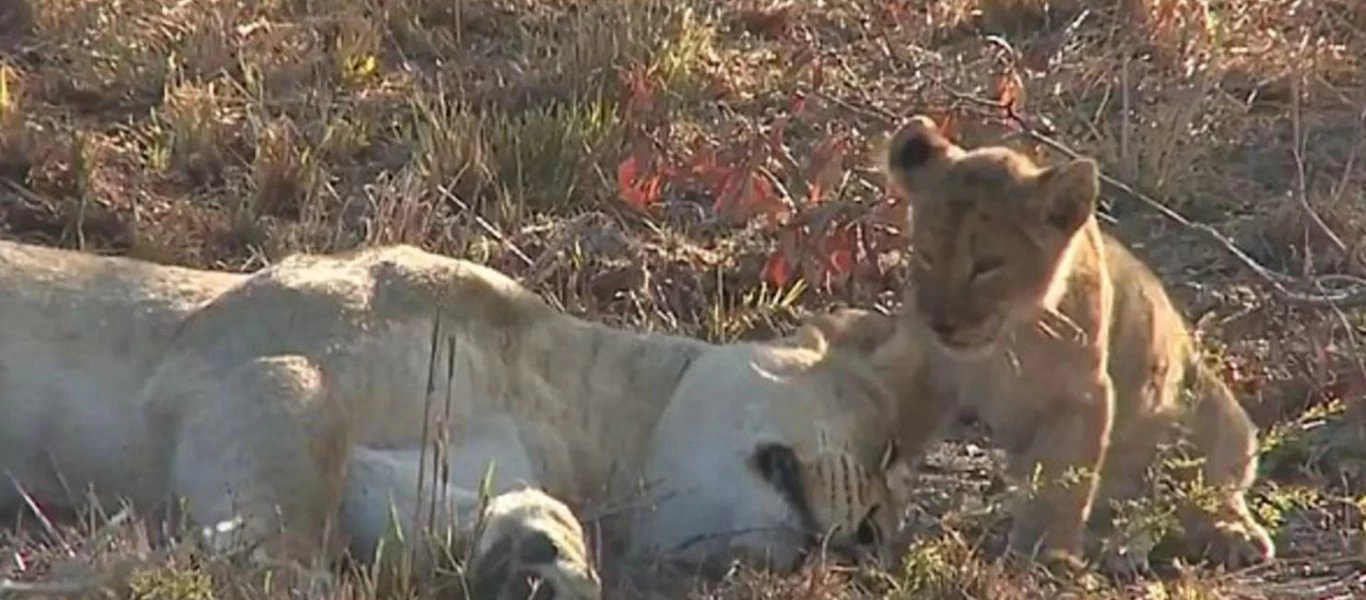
x=1066, y=345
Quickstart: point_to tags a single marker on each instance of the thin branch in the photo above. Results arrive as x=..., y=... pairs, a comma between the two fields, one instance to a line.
x=1297, y=153
x=485, y=225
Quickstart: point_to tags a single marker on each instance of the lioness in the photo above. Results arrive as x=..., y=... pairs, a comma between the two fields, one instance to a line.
x=1064, y=342
x=298, y=400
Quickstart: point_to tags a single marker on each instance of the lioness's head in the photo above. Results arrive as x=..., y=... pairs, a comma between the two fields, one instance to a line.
x=990, y=232
x=771, y=454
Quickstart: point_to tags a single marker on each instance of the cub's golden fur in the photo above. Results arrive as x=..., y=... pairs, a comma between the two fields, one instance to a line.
x=1064, y=342
x=298, y=400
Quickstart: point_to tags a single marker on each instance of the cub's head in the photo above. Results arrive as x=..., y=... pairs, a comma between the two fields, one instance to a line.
x=771, y=454
x=990, y=233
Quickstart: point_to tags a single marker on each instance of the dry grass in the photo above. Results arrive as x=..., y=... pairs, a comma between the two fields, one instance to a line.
x=224, y=133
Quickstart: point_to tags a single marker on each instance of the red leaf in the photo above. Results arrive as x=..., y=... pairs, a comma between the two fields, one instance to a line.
x=839, y=258
x=627, y=172
x=635, y=189
x=649, y=191
x=757, y=196
x=842, y=260
x=776, y=270
x=702, y=165
x=1010, y=92
x=725, y=186
x=817, y=75
x=744, y=196
x=825, y=165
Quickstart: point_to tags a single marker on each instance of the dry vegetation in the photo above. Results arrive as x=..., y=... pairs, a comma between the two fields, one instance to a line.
x=708, y=167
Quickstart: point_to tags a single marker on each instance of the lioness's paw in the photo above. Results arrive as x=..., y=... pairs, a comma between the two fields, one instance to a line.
x=532, y=548
x=1237, y=544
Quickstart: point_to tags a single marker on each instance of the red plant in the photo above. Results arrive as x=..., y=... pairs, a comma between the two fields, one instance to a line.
x=636, y=187
x=823, y=249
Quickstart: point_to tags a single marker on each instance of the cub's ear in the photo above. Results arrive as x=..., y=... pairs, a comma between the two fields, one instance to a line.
x=914, y=148
x=1068, y=193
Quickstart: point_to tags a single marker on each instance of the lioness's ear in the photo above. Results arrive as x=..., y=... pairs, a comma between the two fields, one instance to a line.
x=1069, y=193
x=857, y=329
x=913, y=149
x=890, y=454
x=810, y=337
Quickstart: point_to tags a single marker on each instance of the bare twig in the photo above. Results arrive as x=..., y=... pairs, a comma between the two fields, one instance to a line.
x=485, y=225
x=53, y=588
x=1297, y=153
x=1130, y=163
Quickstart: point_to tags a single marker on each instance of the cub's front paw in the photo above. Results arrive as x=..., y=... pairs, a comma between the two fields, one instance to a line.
x=1124, y=562
x=532, y=548
x=1235, y=544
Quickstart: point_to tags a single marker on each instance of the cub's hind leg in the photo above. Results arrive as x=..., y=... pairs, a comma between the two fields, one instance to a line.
x=1226, y=438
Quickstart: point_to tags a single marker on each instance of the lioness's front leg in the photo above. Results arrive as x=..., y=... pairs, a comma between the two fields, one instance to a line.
x=1066, y=454
x=526, y=537
x=259, y=458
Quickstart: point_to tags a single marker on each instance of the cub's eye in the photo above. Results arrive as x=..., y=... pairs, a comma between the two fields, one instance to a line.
x=985, y=267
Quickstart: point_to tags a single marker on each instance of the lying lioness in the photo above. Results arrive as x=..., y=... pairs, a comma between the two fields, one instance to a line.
x=298, y=400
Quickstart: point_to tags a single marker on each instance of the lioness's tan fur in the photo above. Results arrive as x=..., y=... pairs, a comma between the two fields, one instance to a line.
x=1063, y=341
x=294, y=401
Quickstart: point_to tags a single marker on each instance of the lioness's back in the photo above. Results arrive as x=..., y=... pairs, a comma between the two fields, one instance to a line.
x=80, y=333
x=54, y=300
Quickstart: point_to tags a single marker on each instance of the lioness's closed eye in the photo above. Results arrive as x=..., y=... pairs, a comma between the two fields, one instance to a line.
x=1063, y=341
x=833, y=487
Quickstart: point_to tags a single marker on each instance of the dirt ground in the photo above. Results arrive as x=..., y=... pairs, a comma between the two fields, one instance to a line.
x=711, y=168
